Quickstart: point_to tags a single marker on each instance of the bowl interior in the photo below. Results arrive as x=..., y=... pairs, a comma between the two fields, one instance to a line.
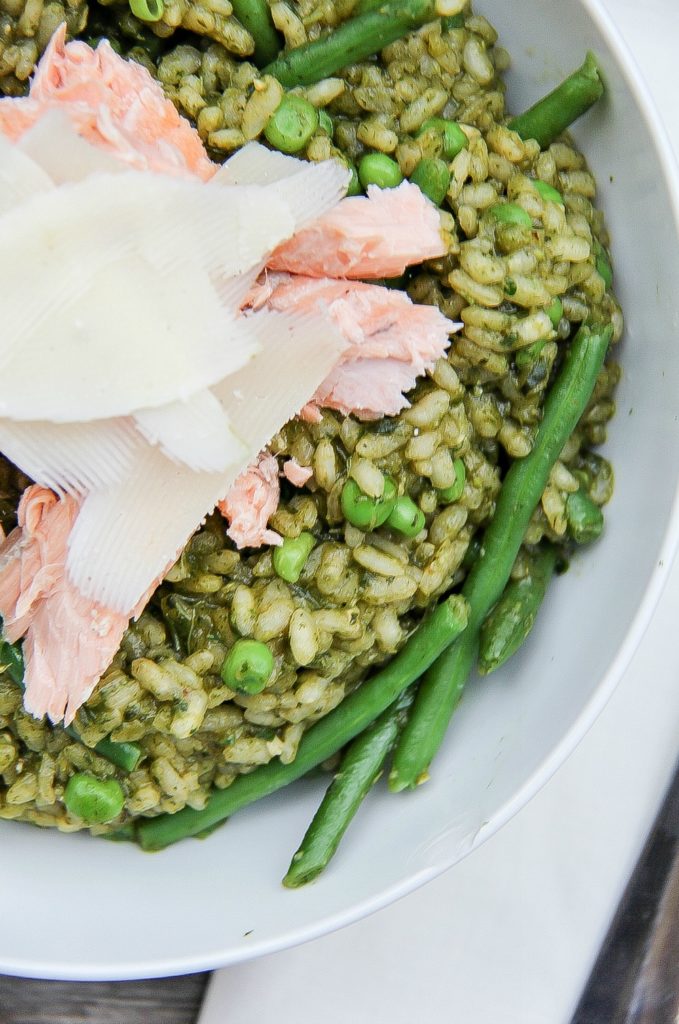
x=106, y=910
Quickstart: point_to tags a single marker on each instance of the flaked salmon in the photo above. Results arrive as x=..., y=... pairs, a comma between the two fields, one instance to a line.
x=374, y=236
x=63, y=585
x=251, y=502
x=69, y=639
x=296, y=474
x=391, y=341
x=112, y=103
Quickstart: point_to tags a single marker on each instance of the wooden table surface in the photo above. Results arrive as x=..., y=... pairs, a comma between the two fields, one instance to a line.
x=161, y=1001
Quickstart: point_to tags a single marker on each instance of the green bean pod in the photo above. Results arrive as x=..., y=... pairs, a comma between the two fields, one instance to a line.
x=353, y=41
x=520, y=492
x=511, y=620
x=440, y=688
x=436, y=632
x=255, y=16
x=361, y=767
x=554, y=113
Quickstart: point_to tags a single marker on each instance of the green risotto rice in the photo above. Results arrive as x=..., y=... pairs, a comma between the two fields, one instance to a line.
x=352, y=597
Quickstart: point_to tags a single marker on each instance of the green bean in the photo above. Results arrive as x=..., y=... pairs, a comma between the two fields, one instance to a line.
x=453, y=493
x=361, y=767
x=520, y=492
x=379, y=169
x=95, y=801
x=511, y=620
x=406, y=517
x=255, y=16
x=453, y=139
x=554, y=113
x=440, y=688
x=353, y=41
x=438, y=629
x=292, y=124
x=248, y=666
x=585, y=518
x=123, y=755
x=147, y=10
x=432, y=177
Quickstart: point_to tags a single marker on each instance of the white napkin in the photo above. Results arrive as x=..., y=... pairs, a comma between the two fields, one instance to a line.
x=510, y=934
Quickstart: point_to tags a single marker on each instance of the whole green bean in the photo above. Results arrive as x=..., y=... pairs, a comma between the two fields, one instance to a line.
x=123, y=755
x=520, y=492
x=551, y=115
x=361, y=767
x=353, y=41
x=326, y=737
x=511, y=620
x=440, y=688
x=255, y=16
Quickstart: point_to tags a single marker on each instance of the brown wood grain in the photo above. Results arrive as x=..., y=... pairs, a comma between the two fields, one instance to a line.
x=160, y=1001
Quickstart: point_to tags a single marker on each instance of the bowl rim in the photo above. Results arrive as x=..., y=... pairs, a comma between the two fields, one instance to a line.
x=135, y=970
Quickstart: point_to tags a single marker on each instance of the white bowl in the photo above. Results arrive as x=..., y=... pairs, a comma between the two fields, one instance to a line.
x=76, y=908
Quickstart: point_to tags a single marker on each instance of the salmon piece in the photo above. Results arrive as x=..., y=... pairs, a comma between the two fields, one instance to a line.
x=391, y=341
x=296, y=474
x=112, y=103
x=69, y=640
x=377, y=236
x=251, y=501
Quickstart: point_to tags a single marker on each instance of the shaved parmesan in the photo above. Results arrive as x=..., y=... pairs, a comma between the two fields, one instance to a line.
x=310, y=190
x=151, y=513
x=70, y=458
x=56, y=373
x=196, y=432
x=20, y=176
x=55, y=145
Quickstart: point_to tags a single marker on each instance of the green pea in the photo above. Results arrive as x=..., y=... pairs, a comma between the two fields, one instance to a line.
x=453, y=138
x=289, y=558
x=525, y=357
x=326, y=123
x=248, y=666
x=546, y=191
x=511, y=213
x=95, y=801
x=379, y=169
x=603, y=264
x=454, y=492
x=292, y=124
x=433, y=178
x=147, y=10
x=555, y=312
x=406, y=517
x=363, y=511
